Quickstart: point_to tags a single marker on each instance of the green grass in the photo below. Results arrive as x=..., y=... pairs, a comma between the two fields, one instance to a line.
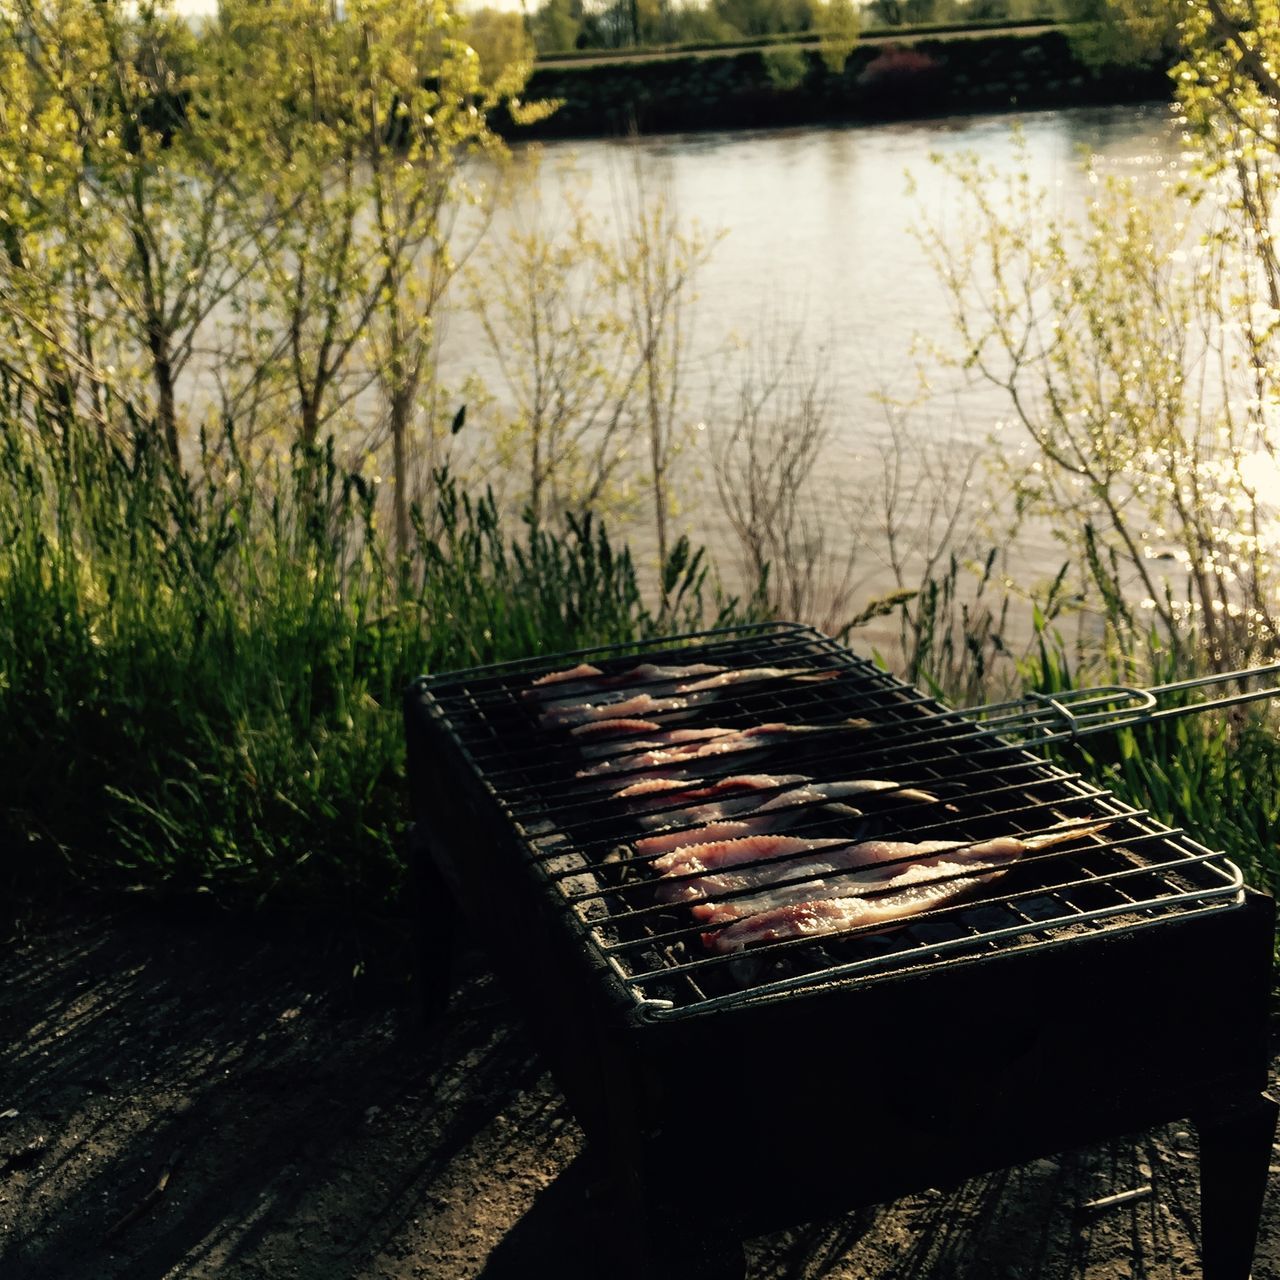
x=200, y=682
x=1215, y=774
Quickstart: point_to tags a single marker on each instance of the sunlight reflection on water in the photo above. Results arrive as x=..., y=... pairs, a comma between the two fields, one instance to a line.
x=818, y=224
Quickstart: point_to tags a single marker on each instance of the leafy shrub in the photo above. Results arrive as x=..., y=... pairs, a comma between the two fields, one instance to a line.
x=786, y=66
x=897, y=72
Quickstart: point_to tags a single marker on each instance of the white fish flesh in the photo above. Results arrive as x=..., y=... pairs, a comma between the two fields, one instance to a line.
x=658, y=747
x=602, y=730
x=580, y=674
x=924, y=889
x=665, y=792
x=587, y=680
x=748, y=675
x=789, y=795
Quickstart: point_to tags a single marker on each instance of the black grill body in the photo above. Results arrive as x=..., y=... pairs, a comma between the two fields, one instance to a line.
x=850, y=1085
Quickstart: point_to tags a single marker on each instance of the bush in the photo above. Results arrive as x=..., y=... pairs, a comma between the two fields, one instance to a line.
x=899, y=72
x=786, y=66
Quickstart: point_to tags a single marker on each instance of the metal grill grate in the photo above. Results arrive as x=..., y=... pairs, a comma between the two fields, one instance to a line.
x=579, y=841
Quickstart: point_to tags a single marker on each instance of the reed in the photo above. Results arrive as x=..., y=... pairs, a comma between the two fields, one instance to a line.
x=200, y=679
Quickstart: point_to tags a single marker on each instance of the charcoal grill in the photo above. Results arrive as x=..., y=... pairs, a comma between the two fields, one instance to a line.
x=1114, y=982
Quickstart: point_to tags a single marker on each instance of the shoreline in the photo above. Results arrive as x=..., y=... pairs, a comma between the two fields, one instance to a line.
x=789, y=85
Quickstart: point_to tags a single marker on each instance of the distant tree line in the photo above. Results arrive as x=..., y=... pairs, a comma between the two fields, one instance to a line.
x=559, y=25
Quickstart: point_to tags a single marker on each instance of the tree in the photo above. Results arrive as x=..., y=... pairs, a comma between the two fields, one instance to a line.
x=361, y=127
x=556, y=25
x=1135, y=365
x=504, y=47
x=838, y=21
x=763, y=17
x=1124, y=32
x=548, y=295
x=116, y=247
x=656, y=272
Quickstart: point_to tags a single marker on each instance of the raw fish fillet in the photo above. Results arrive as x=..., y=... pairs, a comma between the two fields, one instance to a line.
x=747, y=815
x=599, y=730
x=720, y=855
x=582, y=672
x=713, y=821
x=646, y=755
x=818, y=916
x=666, y=792
x=692, y=686
x=582, y=713
x=656, y=748
x=586, y=681
x=747, y=675
x=870, y=879
x=753, y=824
x=696, y=873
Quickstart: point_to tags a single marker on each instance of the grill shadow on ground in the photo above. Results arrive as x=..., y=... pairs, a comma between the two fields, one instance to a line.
x=313, y=1133
x=1024, y=1223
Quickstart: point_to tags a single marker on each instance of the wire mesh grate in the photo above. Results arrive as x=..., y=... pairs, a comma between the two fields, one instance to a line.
x=941, y=777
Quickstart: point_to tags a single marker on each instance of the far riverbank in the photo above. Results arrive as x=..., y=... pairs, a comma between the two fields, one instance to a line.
x=788, y=85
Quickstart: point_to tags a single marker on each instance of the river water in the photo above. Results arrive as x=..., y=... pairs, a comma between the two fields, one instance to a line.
x=817, y=235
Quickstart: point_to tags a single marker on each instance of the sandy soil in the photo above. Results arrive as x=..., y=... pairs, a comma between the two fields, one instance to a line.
x=200, y=1097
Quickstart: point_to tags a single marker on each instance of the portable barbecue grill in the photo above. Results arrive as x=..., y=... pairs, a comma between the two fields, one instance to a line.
x=1113, y=982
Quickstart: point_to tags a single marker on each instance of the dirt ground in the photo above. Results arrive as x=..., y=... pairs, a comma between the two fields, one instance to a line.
x=199, y=1097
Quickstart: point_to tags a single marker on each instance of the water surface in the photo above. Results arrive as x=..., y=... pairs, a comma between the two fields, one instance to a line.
x=817, y=232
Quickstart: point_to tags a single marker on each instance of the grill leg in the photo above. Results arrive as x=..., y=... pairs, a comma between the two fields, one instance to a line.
x=1235, y=1152
x=648, y=1241
x=435, y=927
x=679, y=1255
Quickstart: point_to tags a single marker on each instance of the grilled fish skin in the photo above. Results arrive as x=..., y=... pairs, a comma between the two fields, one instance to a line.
x=820, y=915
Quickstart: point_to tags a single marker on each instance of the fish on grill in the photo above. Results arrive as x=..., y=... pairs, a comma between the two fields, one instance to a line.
x=737, y=828
x=928, y=882
x=683, y=799
x=793, y=790
x=817, y=799
x=695, y=873
x=644, y=673
x=576, y=716
x=620, y=727
x=871, y=879
x=652, y=748
x=671, y=749
x=607, y=696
